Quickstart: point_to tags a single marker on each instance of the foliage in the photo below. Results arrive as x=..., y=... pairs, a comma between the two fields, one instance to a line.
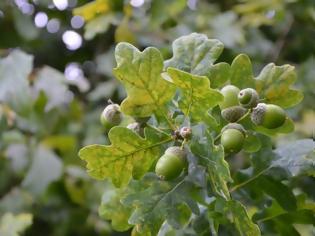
x=48, y=113
x=39, y=124
x=147, y=202
x=14, y=225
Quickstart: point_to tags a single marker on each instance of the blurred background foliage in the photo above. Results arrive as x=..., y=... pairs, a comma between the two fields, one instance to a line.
x=56, y=76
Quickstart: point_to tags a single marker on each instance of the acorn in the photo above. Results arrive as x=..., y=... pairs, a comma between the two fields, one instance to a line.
x=248, y=98
x=269, y=116
x=233, y=114
x=233, y=138
x=111, y=116
x=234, y=126
x=171, y=163
x=230, y=93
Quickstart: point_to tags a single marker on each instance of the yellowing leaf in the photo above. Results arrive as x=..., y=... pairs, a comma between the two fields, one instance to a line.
x=273, y=84
x=112, y=209
x=90, y=10
x=140, y=72
x=197, y=97
x=14, y=225
x=123, y=32
x=243, y=223
x=128, y=155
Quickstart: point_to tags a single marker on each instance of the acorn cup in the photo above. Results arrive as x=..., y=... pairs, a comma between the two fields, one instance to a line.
x=248, y=98
x=269, y=116
x=233, y=114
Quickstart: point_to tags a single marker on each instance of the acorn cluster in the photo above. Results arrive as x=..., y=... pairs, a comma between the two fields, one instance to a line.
x=239, y=103
x=236, y=105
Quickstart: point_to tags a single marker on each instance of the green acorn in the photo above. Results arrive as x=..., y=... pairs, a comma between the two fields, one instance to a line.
x=171, y=164
x=232, y=138
x=111, y=116
x=233, y=114
x=248, y=98
x=230, y=93
x=234, y=126
x=269, y=116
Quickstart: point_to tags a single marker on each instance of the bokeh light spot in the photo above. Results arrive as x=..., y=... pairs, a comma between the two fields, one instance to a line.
x=136, y=3
x=61, y=4
x=72, y=40
x=41, y=19
x=77, y=22
x=53, y=26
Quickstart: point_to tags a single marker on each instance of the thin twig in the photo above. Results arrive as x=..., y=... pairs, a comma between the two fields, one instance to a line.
x=281, y=41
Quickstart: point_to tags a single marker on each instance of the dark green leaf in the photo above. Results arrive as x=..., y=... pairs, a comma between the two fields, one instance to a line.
x=212, y=157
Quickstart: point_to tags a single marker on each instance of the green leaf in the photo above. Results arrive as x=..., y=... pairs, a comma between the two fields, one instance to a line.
x=140, y=72
x=24, y=25
x=162, y=200
x=273, y=84
x=268, y=213
x=194, y=53
x=242, y=221
x=279, y=191
x=219, y=74
x=252, y=143
x=16, y=200
x=226, y=27
x=212, y=157
x=296, y=158
x=46, y=167
x=15, y=225
x=286, y=128
x=14, y=87
x=90, y=10
x=112, y=209
x=63, y=143
x=128, y=155
x=196, y=95
x=97, y=25
x=170, y=9
x=53, y=83
x=304, y=214
x=17, y=153
x=242, y=72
